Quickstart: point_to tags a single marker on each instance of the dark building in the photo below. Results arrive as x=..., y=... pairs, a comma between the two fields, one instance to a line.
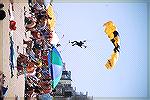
x=64, y=90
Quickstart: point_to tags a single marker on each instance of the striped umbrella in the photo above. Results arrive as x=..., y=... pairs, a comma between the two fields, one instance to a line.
x=55, y=65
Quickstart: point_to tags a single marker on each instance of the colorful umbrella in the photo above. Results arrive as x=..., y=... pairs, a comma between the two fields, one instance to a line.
x=55, y=65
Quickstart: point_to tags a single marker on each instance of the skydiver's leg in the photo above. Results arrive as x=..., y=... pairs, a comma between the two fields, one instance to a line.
x=84, y=46
x=113, y=41
x=116, y=49
x=74, y=44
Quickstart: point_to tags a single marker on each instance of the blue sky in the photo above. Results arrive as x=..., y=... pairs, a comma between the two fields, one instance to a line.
x=84, y=21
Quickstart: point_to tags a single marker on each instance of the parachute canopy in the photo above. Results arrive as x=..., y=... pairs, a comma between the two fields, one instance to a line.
x=113, y=35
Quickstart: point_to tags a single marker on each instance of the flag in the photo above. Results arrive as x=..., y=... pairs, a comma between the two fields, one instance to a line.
x=55, y=65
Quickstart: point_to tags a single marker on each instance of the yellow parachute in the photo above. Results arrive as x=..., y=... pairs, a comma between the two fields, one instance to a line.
x=111, y=62
x=109, y=29
x=113, y=35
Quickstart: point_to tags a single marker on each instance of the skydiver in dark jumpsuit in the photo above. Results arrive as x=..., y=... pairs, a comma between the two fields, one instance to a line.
x=116, y=49
x=80, y=43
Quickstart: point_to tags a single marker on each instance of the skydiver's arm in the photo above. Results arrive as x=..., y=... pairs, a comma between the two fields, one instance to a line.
x=84, y=41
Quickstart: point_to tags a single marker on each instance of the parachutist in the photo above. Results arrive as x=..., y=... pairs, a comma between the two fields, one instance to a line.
x=80, y=43
x=58, y=45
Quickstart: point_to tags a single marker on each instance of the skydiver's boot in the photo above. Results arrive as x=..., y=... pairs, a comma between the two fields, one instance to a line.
x=116, y=49
x=85, y=46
